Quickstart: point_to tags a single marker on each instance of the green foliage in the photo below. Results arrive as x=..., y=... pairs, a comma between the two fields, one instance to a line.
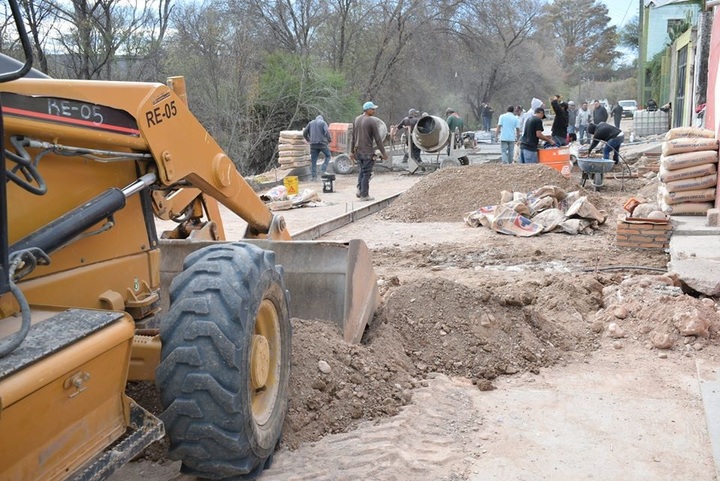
x=630, y=34
x=654, y=73
x=291, y=91
x=677, y=29
x=301, y=89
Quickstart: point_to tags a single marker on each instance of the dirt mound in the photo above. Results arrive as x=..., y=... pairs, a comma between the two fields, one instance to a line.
x=434, y=326
x=445, y=195
x=653, y=310
x=496, y=307
x=501, y=328
x=335, y=385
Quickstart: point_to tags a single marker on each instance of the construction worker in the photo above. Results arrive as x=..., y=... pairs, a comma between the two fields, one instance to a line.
x=408, y=123
x=365, y=137
x=455, y=124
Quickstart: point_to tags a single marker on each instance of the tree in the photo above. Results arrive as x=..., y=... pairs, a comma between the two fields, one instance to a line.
x=291, y=23
x=493, y=33
x=584, y=42
x=630, y=34
x=291, y=91
x=40, y=19
x=93, y=33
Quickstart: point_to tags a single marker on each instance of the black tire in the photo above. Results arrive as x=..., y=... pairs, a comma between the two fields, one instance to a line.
x=343, y=164
x=449, y=162
x=226, y=333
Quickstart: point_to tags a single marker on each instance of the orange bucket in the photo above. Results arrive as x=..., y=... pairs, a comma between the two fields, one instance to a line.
x=557, y=158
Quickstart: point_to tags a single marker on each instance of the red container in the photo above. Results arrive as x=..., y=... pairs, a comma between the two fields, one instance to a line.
x=339, y=138
x=557, y=158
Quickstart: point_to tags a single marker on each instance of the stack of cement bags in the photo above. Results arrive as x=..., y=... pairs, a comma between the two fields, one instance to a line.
x=688, y=171
x=293, y=151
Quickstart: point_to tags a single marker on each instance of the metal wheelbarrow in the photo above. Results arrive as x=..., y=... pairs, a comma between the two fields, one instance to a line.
x=594, y=170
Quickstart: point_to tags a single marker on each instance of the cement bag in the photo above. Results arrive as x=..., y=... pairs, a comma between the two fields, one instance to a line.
x=569, y=200
x=686, y=208
x=678, y=132
x=576, y=226
x=549, y=190
x=291, y=134
x=583, y=208
x=549, y=219
x=687, y=144
x=519, y=197
x=291, y=147
x=695, y=171
x=519, y=207
x=690, y=159
x=506, y=196
x=672, y=198
x=542, y=203
x=503, y=220
x=694, y=183
x=294, y=153
x=279, y=192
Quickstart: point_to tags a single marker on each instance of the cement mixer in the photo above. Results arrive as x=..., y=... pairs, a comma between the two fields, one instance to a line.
x=432, y=134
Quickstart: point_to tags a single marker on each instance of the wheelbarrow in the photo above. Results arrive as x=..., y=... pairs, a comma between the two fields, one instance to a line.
x=594, y=170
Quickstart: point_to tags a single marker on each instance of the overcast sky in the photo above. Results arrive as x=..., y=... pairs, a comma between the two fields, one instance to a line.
x=621, y=11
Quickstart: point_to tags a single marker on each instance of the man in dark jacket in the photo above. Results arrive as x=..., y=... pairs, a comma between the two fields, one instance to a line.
x=365, y=137
x=560, y=122
x=455, y=124
x=316, y=132
x=610, y=135
x=599, y=113
x=617, y=112
x=532, y=135
x=408, y=123
x=487, y=115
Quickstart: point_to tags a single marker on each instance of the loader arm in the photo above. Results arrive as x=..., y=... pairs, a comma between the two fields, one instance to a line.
x=143, y=117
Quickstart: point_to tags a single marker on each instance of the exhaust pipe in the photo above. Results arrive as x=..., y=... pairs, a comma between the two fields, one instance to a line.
x=431, y=133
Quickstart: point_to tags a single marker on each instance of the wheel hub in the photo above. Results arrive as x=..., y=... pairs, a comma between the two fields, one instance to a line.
x=259, y=361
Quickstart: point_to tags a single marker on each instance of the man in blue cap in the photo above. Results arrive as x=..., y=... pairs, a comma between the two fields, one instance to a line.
x=365, y=134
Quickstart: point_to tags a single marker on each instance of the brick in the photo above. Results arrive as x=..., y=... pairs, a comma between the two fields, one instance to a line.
x=640, y=238
x=662, y=226
x=628, y=231
x=621, y=237
x=635, y=245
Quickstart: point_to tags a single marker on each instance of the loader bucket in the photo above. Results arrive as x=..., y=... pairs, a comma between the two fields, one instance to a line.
x=332, y=281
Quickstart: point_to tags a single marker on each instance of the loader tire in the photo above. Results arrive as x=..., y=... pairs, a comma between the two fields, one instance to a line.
x=225, y=362
x=343, y=164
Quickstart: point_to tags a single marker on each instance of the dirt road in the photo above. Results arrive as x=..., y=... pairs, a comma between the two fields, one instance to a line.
x=499, y=358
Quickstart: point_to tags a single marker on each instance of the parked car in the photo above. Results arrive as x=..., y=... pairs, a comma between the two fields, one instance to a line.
x=629, y=107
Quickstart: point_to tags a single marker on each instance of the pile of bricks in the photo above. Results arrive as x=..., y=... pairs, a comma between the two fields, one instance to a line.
x=643, y=235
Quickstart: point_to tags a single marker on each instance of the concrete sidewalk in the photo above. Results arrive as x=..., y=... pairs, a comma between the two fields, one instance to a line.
x=695, y=254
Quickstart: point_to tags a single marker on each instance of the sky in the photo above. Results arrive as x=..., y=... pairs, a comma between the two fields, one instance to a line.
x=621, y=11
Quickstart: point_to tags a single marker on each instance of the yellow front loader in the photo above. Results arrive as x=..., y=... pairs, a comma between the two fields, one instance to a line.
x=91, y=295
